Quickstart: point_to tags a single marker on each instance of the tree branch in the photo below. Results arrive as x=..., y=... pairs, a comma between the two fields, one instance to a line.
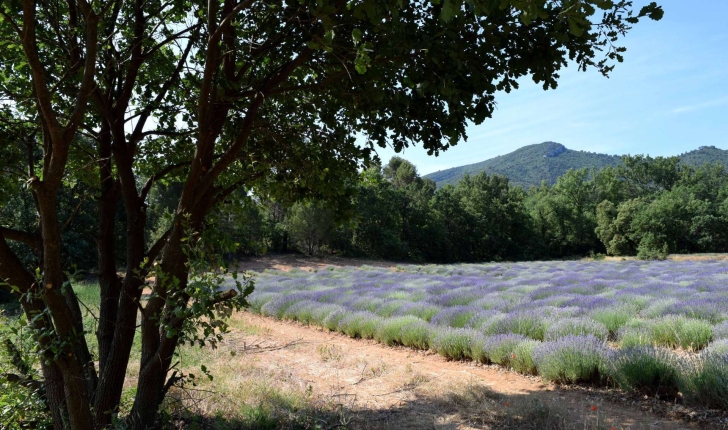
x=162, y=173
x=158, y=246
x=31, y=239
x=138, y=134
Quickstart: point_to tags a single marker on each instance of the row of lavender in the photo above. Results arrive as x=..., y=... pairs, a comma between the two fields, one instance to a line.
x=567, y=321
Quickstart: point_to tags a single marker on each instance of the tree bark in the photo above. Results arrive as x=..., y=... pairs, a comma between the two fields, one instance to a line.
x=68, y=358
x=11, y=269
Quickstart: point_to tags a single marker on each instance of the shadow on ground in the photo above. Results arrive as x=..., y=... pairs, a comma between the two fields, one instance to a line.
x=474, y=407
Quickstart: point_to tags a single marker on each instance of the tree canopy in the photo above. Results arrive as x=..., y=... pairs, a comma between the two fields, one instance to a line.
x=105, y=100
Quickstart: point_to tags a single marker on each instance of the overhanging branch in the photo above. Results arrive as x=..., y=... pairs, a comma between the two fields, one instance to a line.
x=30, y=239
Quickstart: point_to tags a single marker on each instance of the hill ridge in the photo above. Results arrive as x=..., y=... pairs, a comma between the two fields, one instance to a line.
x=529, y=165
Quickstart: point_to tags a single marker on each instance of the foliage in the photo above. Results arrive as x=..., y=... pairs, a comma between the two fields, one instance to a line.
x=571, y=359
x=22, y=398
x=647, y=370
x=309, y=226
x=453, y=343
x=522, y=357
x=500, y=349
x=706, y=380
x=578, y=327
x=529, y=165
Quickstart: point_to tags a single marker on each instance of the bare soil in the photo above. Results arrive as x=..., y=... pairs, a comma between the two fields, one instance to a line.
x=286, y=262
x=400, y=388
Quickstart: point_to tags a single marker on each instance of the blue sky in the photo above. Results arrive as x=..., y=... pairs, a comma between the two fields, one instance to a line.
x=669, y=96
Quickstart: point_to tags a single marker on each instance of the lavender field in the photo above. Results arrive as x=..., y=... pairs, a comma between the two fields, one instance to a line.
x=657, y=328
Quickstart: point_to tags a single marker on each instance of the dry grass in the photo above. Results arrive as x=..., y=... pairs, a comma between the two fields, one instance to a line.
x=261, y=384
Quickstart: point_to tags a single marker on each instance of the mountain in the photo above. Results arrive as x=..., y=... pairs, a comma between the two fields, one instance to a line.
x=530, y=165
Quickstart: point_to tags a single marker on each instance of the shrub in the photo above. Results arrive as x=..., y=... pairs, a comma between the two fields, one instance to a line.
x=571, y=359
x=321, y=313
x=416, y=335
x=487, y=321
x=720, y=331
x=389, y=331
x=477, y=349
x=21, y=405
x=579, y=326
x=456, y=316
x=705, y=378
x=425, y=311
x=658, y=308
x=678, y=331
x=332, y=321
x=301, y=311
x=454, y=343
x=634, y=336
x=257, y=300
x=525, y=323
x=671, y=331
x=277, y=306
x=522, y=357
x=614, y=318
x=390, y=307
x=499, y=348
x=359, y=324
x=646, y=369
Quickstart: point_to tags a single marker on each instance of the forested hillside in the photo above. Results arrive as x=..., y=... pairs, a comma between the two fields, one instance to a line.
x=530, y=165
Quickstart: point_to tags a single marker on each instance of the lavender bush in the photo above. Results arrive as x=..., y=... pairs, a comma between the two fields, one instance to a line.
x=647, y=369
x=499, y=349
x=572, y=359
x=522, y=357
x=454, y=343
x=705, y=381
x=576, y=326
x=547, y=317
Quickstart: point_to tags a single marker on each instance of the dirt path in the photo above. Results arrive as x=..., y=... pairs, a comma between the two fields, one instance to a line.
x=400, y=388
x=286, y=262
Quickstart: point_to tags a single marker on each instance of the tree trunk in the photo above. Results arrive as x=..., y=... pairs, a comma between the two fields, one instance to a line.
x=69, y=355
x=109, y=282
x=157, y=348
x=15, y=275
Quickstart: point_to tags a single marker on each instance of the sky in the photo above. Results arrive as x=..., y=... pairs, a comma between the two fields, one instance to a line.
x=668, y=97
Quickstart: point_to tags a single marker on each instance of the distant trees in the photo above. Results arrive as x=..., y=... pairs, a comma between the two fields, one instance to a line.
x=665, y=207
x=647, y=207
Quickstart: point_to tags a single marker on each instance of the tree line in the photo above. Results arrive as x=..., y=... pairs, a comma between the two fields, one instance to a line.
x=646, y=207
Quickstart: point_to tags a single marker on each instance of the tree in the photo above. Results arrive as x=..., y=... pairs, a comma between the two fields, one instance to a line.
x=501, y=223
x=310, y=225
x=644, y=175
x=614, y=226
x=264, y=95
x=378, y=224
x=565, y=214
